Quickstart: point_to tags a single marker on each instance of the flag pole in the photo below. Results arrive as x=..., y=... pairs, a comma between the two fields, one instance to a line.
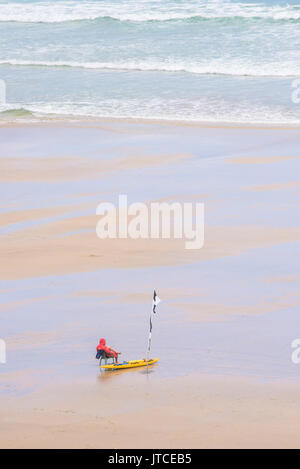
x=155, y=302
x=149, y=338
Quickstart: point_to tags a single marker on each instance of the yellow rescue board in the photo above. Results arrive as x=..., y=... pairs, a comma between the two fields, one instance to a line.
x=130, y=364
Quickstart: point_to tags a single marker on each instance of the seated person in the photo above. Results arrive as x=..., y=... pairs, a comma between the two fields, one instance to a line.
x=108, y=350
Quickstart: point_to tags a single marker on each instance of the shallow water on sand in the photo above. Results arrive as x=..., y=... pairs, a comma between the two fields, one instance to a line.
x=55, y=338
x=231, y=315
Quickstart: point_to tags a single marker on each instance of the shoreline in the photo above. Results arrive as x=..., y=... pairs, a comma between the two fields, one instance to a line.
x=98, y=121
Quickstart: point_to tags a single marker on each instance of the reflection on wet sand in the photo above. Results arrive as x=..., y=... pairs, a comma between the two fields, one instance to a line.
x=109, y=374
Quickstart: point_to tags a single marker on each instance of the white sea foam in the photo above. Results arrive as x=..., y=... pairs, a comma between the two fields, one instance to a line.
x=142, y=11
x=202, y=110
x=127, y=68
x=213, y=67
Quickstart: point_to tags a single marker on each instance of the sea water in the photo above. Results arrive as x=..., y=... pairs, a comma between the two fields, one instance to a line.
x=188, y=60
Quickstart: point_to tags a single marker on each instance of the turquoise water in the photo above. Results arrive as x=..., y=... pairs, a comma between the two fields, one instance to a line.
x=191, y=60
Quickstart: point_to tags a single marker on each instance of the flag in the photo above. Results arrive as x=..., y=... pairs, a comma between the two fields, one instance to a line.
x=155, y=302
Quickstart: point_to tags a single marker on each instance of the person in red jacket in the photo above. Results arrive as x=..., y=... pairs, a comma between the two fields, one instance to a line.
x=110, y=352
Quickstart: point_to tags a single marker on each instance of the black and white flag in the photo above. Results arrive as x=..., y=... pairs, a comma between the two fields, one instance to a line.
x=155, y=302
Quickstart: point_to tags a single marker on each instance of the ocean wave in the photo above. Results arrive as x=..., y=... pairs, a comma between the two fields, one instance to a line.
x=15, y=113
x=212, y=68
x=203, y=111
x=66, y=11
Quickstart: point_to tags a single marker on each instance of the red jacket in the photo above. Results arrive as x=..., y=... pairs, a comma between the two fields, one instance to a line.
x=102, y=346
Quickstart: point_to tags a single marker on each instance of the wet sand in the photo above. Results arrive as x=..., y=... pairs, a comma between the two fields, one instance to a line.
x=64, y=169
x=232, y=306
x=57, y=249
x=208, y=412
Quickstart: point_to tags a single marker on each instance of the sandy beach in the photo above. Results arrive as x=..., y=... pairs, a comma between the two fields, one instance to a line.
x=207, y=412
x=230, y=310
x=149, y=200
